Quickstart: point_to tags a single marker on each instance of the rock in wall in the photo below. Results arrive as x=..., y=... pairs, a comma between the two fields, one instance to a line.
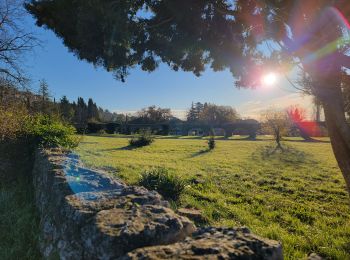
x=87, y=215
x=214, y=243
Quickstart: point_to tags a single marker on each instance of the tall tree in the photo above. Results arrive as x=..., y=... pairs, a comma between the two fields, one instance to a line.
x=92, y=111
x=80, y=114
x=154, y=114
x=66, y=109
x=223, y=34
x=44, y=94
x=214, y=115
x=15, y=41
x=191, y=114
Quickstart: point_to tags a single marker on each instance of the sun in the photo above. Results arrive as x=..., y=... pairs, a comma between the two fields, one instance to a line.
x=269, y=79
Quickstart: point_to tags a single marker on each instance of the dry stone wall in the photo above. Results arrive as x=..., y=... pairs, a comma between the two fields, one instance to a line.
x=87, y=215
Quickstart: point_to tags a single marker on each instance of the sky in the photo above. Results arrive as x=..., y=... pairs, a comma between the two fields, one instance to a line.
x=67, y=75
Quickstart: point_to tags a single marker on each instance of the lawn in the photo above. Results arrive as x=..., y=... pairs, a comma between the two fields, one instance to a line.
x=297, y=197
x=19, y=223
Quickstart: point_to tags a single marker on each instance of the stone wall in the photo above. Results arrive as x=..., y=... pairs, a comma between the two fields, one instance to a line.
x=87, y=215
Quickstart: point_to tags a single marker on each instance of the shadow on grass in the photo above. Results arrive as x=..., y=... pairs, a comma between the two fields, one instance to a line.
x=248, y=138
x=199, y=153
x=191, y=137
x=287, y=154
x=169, y=137
x=312, y=140
x=124, y=148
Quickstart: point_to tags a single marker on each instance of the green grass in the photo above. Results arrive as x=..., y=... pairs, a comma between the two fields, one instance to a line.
x=18, y=221
x=297, y=197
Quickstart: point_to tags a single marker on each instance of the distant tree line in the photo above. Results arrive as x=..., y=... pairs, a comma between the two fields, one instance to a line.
x=211, y=114
x=84, y=115
x=202, y=118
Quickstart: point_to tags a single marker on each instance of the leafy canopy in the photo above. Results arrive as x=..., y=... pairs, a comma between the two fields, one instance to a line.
x=187, y=35
x=247, y=37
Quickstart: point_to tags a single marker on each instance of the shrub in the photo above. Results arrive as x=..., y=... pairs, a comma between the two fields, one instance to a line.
x=102, y=132
x=12, y=118
x=51, y=132
x=143, y=139
x=165, y=183
x=211, y=143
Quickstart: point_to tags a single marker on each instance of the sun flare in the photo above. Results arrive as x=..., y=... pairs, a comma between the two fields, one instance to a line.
x=269, y=79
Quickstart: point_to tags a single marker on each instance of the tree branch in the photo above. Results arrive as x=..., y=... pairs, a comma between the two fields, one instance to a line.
x=345, y=60
x=160, y=23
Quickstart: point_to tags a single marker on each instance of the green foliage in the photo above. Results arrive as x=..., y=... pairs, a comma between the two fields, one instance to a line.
x=211, y=143
x=168, y=185
x=66, y=109
x=21, y=122
x=51, y=132
x=180, y=33
x=143, y=139
x=12, y=117
x=211, y=114
x=153, y=115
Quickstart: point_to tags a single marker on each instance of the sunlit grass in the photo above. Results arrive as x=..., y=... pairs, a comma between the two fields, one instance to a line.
x=297, y=197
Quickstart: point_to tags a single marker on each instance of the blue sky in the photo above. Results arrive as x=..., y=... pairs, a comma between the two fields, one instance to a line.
x=66, y=75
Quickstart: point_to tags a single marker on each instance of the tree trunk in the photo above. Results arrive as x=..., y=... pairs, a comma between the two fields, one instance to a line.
x=338, y=128
x=278, y=140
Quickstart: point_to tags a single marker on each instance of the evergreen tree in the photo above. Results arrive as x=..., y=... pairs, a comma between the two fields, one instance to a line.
x=44, y=97
x=191, y=114
x=66, y=109
x=92, y=111
x=80, y=114
x=198, y=110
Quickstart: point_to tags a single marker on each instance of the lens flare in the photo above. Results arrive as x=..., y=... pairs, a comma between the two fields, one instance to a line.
x=269, y=79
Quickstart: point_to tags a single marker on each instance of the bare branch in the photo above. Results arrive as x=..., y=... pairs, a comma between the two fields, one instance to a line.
x=161, y=23
x=14, y=40
x=345, y=61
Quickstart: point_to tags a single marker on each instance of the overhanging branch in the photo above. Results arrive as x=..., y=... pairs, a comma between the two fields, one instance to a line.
x=345, y=61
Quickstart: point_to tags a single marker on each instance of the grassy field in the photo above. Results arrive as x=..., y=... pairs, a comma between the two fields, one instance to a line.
x=19, y=222
x=297, y=197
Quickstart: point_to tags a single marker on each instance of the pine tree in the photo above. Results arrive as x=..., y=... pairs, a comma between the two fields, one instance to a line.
x=191, y=114
x=66, y=109
x=80, y=116
x=44, y=97
x=92, y=111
